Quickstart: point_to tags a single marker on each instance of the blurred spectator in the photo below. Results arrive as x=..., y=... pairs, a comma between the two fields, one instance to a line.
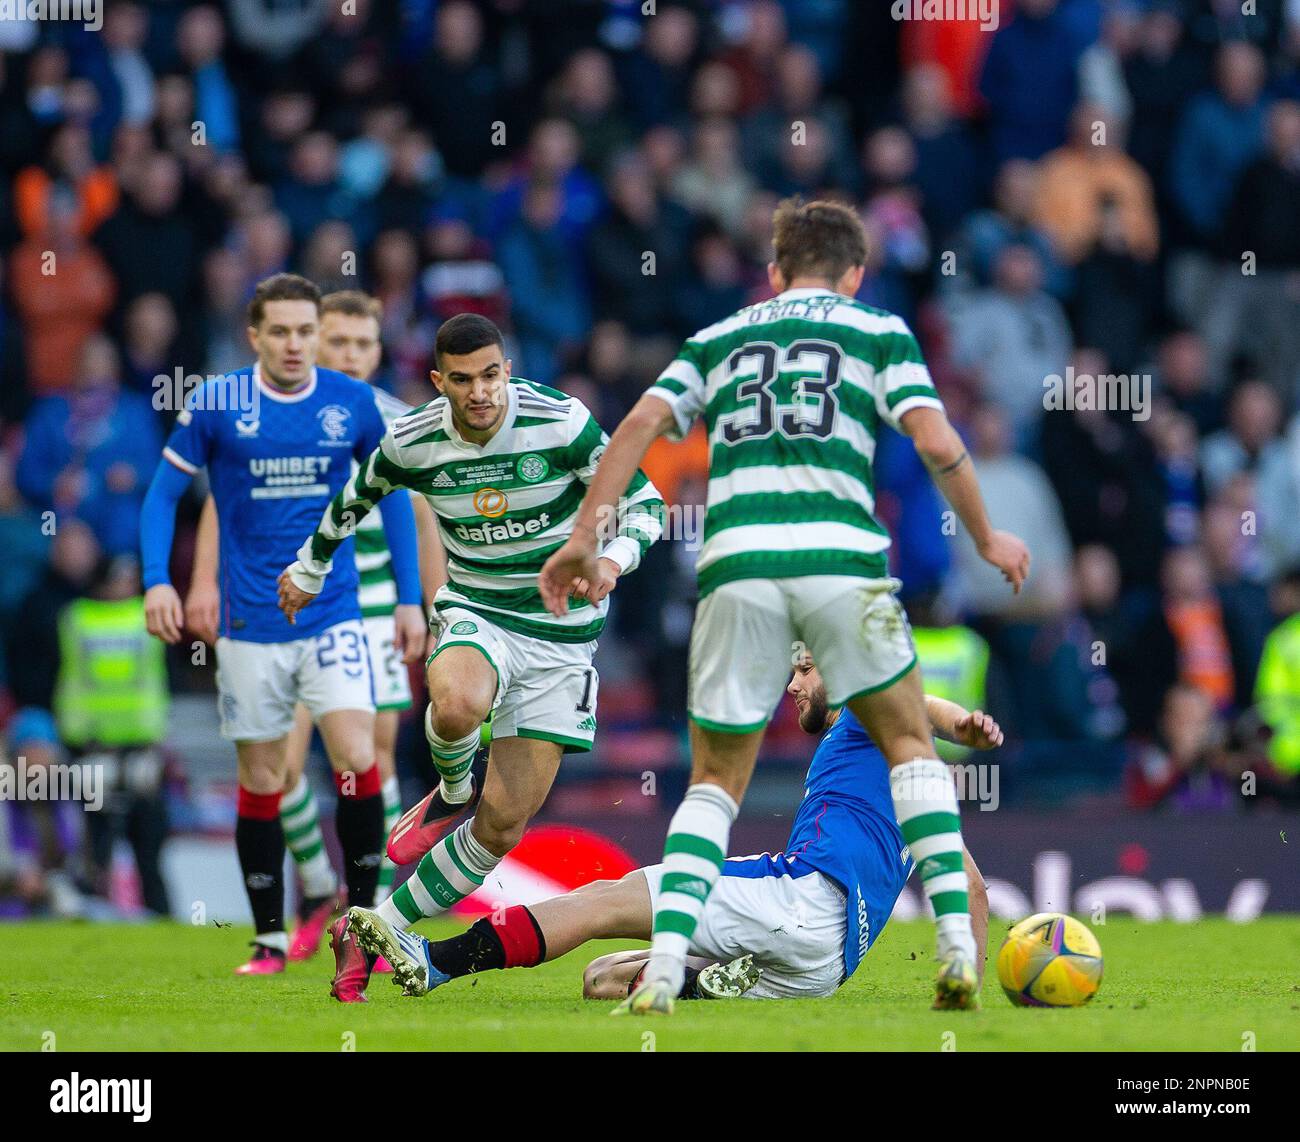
x=715, y=286
x=1162, y=74
x=1106, y=475
x=1011, y=220
x=657, y=78
x=1183, y=377
x=148, y=242
x=1089, y=185
x=1096, y=203
x=1277, y=689
x=14, y=395
x=200, y=40
x=70, y=174
x=110, y=705
x=626, y=286
x=1255, y=306
x=347, y=57
x=893, y=217
x=311, y=192
x=587, y=95
x=221, y=320
x=31, y=636
x=1139, y=649
x=1014, y=335
x=126, y=27
x=90, y=454
x=713, y=182
x=463, y=276
x=1017, y=494
x=148, y=342
x=1189, y=769
x=551, y=312
x=1101, y=66
x=34, y=741
x=1220, y=134
x=799, y=99
x=63, y=290
x=552, y=157
x=1242, y=596
x=1254, y=421
x=25, y=543
x=949, y=170
x=406, y=200
x=456, y=91
x=1194, y=615
x=755, y=58
x=405, y=328
x=1278, y=496
x=1030, y=80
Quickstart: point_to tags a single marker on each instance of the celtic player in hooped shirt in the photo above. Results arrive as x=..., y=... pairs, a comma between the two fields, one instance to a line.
x=504, y=464
x=793, y=392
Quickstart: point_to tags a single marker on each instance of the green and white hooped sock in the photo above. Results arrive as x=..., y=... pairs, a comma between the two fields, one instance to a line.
x=452, y=759
x=693, y=856
x=453, y=869
x=302, y=833
x=925, y=803
x=392, y=797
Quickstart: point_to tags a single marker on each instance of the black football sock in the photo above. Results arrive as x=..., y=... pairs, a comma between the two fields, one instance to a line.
x=259, y=841
x=516, y=941
x=360, y=826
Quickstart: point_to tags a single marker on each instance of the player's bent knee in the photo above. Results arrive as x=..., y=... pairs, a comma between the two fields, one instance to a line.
x=454, y=716
x=498, y=833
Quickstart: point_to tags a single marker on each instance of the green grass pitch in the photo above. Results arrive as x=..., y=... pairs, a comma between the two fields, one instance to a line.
x=1168, y=987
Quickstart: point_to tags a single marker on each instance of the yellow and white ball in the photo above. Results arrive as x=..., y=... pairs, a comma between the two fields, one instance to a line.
x=1050, y=960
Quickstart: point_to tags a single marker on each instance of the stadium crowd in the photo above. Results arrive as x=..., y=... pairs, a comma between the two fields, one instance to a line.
x=1092, y=190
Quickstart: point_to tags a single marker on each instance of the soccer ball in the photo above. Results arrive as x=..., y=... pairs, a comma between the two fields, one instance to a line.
x=1050, y=960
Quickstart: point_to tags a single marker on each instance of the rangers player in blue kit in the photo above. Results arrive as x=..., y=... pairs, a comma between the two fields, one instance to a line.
x=777, y=926
x=278, y=439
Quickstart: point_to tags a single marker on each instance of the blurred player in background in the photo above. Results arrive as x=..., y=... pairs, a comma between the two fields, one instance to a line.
x=793, y=392
x=277, y=439
x=350, y=344
x=840, y=875
x=504, y=463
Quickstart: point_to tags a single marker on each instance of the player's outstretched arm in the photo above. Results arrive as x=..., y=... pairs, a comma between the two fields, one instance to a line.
x=303, y=579
x=579, y=557
x=950, y=466
x=955, y=723
x=163, y=614
x=203, y=602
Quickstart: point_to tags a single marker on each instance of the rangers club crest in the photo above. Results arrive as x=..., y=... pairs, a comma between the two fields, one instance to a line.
x=334, y=423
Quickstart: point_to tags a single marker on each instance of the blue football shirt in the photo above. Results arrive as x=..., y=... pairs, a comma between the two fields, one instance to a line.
x=274, y=463
x=845, y=829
